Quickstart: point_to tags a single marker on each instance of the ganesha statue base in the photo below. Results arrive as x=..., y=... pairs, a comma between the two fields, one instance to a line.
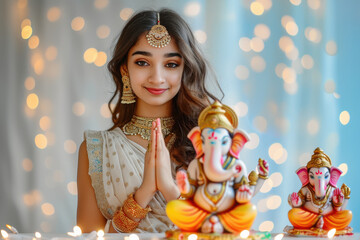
x=216, y=189
x=319, y=206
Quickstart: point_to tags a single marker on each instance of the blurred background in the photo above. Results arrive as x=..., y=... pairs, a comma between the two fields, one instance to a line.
x=289, y=68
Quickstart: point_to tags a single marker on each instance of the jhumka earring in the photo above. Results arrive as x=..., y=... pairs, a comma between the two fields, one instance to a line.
x=127, y=94
x=158, y=35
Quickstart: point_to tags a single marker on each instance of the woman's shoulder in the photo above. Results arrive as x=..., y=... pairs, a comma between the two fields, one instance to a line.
x=98, y=135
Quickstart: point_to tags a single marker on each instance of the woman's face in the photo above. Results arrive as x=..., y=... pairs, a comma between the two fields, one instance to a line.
x=155, y=73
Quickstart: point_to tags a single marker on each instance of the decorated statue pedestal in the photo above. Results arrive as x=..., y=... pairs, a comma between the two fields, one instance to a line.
x=319, y=206
x=216, y=189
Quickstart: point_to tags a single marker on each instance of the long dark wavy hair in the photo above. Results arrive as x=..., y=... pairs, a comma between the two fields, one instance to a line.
x=192, y=97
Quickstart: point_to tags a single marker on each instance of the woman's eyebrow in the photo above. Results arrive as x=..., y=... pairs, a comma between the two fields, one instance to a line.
x=148, y=54
x=173, y=54
x=142, y=53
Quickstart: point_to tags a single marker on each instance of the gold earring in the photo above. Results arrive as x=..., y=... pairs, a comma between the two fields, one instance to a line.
x=127, y=94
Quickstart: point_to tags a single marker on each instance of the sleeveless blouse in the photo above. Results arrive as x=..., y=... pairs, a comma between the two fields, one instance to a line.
x=116, y=166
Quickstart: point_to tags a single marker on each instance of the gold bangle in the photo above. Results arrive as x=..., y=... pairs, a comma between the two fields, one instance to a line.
x=123, y=223
x=132, y=208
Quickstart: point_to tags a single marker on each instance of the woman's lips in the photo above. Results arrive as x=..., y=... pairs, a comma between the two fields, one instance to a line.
x=156, y=91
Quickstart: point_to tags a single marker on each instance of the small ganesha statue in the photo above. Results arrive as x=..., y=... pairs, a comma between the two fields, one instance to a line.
x=216, y=189
x=319, y=206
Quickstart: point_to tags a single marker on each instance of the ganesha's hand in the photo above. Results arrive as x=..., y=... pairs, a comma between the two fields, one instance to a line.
x=294, y=200
x=182, y=182
x=338, y=198
x=244, y=194
x=263, y=167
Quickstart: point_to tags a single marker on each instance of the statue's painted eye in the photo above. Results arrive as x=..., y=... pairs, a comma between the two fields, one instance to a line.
x=225, y=140
x=311, y=176
x=326, y=176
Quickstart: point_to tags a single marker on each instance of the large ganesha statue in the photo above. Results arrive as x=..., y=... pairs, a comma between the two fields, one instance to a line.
x=319, y=205
x=216, y=189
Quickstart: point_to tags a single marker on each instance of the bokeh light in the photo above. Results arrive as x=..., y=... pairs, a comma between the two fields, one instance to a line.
x=307, y=61
x=261, y=205
x=291, y=88
x=40, y=141
x=266, y=226
x=38, y=63
x=257, y=44
x=331, y=48
x=330, y=86
x=344, y=117
x=26, y=32
x=70, y=146
x=267, y=186
x=33, y=42
x=276, y=151
x=289, y=75
x=90, y=55
x=47, y=209
x=77, y=24
x=104, y=111
x=192, y=9
x=103, y=31
x=27, y=164
x=291, y=28
x=242, y=72
x=253, y=142
x=101, y=59
x=72, y=188
x=32, y=101
x=78, y=108
x=286, y=44
x=53, y=14
x=45, y=123
x=51, y=53
x=200, y=36
x=313, y=34
x=276, y=179
x=344, y=168
x=258, y=64
x=241, y=109
x=101, y=4
x=314, y=4
x=22, y=3
x=29, y=83
x=126, y=13
x=279, y=69
x=257, y=8
x=262, y=31
x=260, y=123
x=313, y=126
x=295, y=2
x=273, y=202
x=25, y=22
x=244, y=44
x=267, y=4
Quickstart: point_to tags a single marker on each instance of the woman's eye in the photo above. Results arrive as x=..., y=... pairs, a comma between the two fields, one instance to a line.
x=141, y=63
x=172, y=65
x=311, y=176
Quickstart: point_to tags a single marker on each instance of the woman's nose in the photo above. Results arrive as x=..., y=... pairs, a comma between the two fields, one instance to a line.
x=157, y=75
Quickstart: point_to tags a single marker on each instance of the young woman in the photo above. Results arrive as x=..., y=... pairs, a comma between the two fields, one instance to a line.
x=126, y=174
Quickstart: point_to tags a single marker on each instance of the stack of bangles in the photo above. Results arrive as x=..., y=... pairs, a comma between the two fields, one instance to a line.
x=121, y=220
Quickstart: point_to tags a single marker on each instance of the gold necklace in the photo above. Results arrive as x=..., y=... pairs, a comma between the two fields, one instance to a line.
x=142, y=126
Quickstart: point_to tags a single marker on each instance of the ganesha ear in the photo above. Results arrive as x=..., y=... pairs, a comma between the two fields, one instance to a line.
x=238, y=141
x=335, y=174
x=303, y=175
x=195, y=137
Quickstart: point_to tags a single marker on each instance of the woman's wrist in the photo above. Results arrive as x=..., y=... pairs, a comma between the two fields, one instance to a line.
x=143, y=196
x=170, y=191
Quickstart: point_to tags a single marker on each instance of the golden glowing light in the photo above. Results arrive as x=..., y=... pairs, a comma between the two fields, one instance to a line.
x=192, y=9
x=257, y=8
x=258, y=64
x=77, y=230
x=266, y=226
x=291, y=28
x=336, y=95
x=344, y=168
x=330, y=86
x=273, y=202
x=48, y=209
x=103, y=31
x=267, y=186
x=244, y=234
x=4, y=234
x=276, y=151
x=279, y=236
x=33, y=42
x=242, y=72
x=283, y=157
x=253, y=142
x=100, y=59
x=344, y=117
x=72, y=188
x=104, y=111
x=331, y=48
x=313, y=34
x=192, y=237
x=45, y=123
x=241, y=109
x=257, y=44
x=126, y=13
x=314, y=4
x=307, y=61
x=286, y=44
x=53, y=14
x=40, y=141
x=90, y=55
x=279, y=69
x=133, y=236
x=25, y=22
x=37, y=235
x=296, y=2
x=22, y=3
x=100, y=233
x=27, y=165
x=262, y=31
x=289, y=75
x=313, y=126
x=276, y=178
x=285, y=20
x=331, y=233
x=70, y=146
x=100, y=4
x=266, y=3
x=51, y=53
x=29, y=83
x=26, y=32
x=78, y=108
x=32, y=101
x=291, y=88
x=260, y=123
x=200, y=36
x=50, y=136
x=38, y=63
x=244, y=44
x=77, y=24
x=293, y=54
x=261, y=205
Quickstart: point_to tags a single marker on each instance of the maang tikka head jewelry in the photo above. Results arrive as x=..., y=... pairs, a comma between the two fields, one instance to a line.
x=127, y=96
x=158, y=35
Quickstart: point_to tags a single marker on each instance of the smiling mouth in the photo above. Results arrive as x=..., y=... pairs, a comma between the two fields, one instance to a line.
x=156, y=91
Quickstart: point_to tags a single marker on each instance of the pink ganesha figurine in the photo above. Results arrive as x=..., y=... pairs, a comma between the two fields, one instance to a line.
x=216, y=189
x=319, y=205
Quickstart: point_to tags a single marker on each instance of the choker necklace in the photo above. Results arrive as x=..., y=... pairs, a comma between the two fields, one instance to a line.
x=142, y=126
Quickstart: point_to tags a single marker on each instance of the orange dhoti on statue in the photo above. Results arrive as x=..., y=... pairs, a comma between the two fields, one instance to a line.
x=189, y=217
x=303, y=219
